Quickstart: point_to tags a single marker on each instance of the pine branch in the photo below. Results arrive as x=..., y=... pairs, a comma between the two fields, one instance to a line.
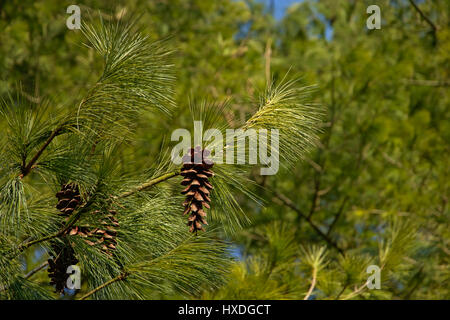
x=315, y=197
x=417, y=277
x=77, y=215
x=357, y=291
x=313, y=284
x=120, y=277
x=137, y=75
x=57, y=234
x=288, y=202
x=188, y=265
x=150, y=183
x=391, y=252
x=341, y=292
x=35, y=270
x=27, y=169
x=315, y=258
x=337, y=215
x=424, y=17
x=286, y=108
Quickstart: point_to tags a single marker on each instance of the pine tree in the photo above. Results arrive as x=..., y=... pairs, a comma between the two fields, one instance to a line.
x=309, y=232
x=126, y=231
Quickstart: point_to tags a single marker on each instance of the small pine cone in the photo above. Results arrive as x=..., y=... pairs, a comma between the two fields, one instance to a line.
x=196, y=171
x=82, y=231
x=68, y=199
x=105, y=236
x=62, y=258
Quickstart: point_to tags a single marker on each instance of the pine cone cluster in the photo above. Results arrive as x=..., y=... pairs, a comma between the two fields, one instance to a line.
x=69, y=199
x=198, y=187
x=104, y=237
x=63, y=257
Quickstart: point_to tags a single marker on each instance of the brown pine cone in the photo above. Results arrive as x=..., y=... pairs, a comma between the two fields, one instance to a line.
x=104, y=237
x=69, y=199
x=196, y=171
x=63, y=256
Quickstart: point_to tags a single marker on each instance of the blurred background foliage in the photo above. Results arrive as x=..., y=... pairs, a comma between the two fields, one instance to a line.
x=380, y=173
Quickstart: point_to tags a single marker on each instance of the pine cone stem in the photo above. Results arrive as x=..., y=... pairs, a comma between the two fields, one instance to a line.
x=150, y=183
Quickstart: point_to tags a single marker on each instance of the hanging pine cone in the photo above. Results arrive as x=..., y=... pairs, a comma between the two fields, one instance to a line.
x=63, y=257
x=198, y=187
x=68, y=199
x=104, y=237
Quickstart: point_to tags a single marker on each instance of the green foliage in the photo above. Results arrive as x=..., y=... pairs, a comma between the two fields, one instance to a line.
x=378, y=116
x=285, y=107
x=137, y=75
x=154, y=249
